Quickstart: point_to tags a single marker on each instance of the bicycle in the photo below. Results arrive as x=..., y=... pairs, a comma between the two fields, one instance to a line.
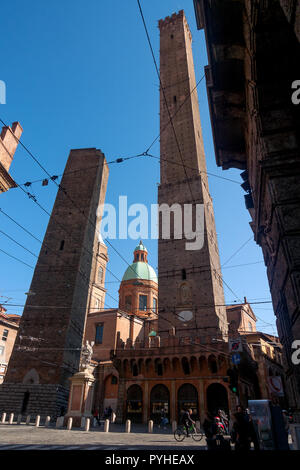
x=180, y=433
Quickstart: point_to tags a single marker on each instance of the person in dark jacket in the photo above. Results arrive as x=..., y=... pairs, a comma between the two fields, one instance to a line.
x=210, y=429
x=241, y=431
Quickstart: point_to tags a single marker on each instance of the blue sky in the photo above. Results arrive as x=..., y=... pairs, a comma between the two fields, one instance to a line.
x=80, y=74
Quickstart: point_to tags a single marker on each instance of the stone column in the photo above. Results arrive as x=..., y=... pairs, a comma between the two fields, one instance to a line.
x=121, y=400
x=202, y=410
x=173, y=402
x=146, y=402
x=81, y=397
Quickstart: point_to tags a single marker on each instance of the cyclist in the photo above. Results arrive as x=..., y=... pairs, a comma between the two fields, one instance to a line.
x=187, y=420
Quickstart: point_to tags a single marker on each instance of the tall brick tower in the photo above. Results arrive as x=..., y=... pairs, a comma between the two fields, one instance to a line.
x=47, y=348
x=191, y=293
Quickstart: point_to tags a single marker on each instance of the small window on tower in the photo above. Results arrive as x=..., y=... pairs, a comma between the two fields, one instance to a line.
x=172, y=36
x=175, y=99
x=99, y=333
x=143, y=302
x=114, y=380
x=100, y=274
x=142, y=256
x=183, y=274
x=62, y=243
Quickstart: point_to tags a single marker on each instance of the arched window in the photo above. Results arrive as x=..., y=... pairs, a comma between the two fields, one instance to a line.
x=100, y=274
x=185, y=366
x=250, y=326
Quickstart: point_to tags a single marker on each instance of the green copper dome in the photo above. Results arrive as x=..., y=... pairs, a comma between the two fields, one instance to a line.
x=141, y=271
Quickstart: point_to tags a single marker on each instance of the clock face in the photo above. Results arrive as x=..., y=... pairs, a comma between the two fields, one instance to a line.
x=185, y=315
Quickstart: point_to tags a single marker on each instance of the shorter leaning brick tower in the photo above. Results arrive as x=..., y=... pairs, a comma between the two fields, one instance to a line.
x=47, y=349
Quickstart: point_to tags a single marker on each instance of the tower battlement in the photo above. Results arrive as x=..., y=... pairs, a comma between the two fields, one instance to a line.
x=173, y=21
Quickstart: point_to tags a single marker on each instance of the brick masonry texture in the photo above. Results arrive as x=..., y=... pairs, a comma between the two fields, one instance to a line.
x=185, y=185
x=47, y=347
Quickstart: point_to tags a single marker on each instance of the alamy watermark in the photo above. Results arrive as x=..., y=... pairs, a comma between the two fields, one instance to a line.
x=296, y=94
x=163, y=221
x=2, y=92
x=296, y=354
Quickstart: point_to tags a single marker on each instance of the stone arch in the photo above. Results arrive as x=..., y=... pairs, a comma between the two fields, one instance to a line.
x=212, y=364
x=159, y=399
x=31, y=378
x=185, y=366
x=125, y=366
x=158, y=366
x=187, y=397
x=216, y=398
x=134, y=403
x=134, y=367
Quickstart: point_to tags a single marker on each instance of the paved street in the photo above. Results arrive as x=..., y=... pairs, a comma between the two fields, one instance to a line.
x=22, y=437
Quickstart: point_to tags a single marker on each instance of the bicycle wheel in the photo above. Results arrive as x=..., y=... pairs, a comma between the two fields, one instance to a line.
x=179, y=435
x=197, y=435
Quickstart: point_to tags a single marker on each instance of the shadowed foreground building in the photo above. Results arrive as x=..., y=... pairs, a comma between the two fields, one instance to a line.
x=254, y=56
x=48, y=345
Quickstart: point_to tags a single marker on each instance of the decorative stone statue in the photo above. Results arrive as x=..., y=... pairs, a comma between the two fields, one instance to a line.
x=86, y=355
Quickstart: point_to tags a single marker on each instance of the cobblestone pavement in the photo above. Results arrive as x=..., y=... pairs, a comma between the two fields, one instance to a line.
x=23, y=437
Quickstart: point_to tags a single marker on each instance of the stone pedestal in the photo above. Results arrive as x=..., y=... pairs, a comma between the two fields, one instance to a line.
x=81, y=397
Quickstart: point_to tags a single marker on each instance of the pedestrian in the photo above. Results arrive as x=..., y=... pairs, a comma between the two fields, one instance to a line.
x=210, y=430
x=279, y=427
x=253, y=434
x=187, y=420
x=96, y=416
x=240, y=432
x=163, y=418
x=109, y=412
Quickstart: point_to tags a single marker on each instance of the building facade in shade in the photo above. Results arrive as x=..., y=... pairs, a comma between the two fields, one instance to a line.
x=254, y=55
x=8, y=144
x=185, y=362
x=9, y=324
x=48, y=345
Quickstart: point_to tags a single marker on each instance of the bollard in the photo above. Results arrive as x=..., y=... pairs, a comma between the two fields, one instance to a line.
x=113, y=417
x=37, y=421
x=87, y=424
x=3, y=418
x=150, y=426
x=106, y=425
x=28, y=419
x=19, y=419
x=174, y=426
x=127, y=425
x=69, y=425
x=47, y=422
x=11, y=418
